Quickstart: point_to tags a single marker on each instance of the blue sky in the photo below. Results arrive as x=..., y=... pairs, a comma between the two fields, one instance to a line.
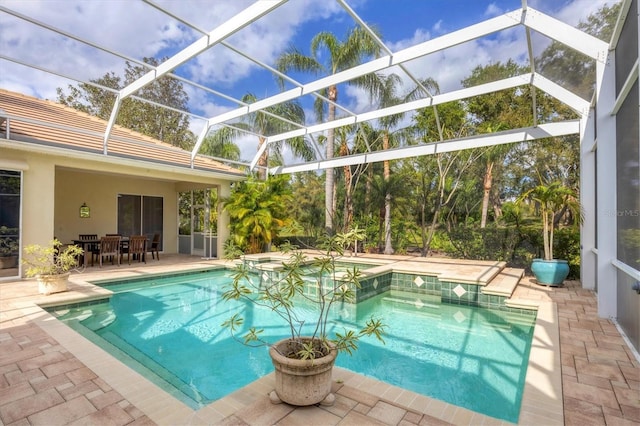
x=136, y=29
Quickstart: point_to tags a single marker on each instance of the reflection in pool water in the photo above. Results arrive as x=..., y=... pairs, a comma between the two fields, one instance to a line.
x=170, y=331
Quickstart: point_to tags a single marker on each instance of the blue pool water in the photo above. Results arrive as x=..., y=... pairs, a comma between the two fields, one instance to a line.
x=470, y=357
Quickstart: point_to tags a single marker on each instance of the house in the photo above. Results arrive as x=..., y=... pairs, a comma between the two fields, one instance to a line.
x=62, y=179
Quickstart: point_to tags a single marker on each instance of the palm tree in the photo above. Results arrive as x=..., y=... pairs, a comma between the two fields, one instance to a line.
x=342, y=55
x=387, y=97
x=220, y=144
x=273, y=120
x=269, y=122
x=552, y=200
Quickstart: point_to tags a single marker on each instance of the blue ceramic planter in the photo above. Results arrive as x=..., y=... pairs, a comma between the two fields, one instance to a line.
x=550, y=272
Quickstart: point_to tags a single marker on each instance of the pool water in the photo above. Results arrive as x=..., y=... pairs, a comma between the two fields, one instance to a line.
x=169, y=329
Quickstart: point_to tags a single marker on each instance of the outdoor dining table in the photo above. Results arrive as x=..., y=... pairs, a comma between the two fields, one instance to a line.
x=85, y=244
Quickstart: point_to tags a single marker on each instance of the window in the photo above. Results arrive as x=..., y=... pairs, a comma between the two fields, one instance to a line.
x=140, y=215
x=10, y=184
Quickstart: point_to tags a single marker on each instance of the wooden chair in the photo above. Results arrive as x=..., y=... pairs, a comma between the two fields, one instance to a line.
x=91, y=249
x=155, y=246
x=137, y=246
x=124, y=244
x=110, y=246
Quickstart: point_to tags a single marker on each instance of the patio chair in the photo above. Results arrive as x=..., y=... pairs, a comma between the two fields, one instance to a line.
x=110, y=247
x=155, y=246
x=124, y=244
x=90, y=249
x=137, y=247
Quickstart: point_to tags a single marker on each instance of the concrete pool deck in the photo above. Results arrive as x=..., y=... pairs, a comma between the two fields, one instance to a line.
x=581, y=370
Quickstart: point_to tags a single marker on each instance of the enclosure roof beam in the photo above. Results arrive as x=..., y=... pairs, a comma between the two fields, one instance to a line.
x=584, y=43
x=526, y=134
x=409, y=106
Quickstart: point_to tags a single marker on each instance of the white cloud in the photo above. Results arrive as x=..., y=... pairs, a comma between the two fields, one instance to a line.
x=263, y=40
x=570, y=12
x=248, y=147
x=493, y=10
x=450, y=66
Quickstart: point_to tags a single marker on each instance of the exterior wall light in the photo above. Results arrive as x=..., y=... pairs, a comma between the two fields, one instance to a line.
x=85, y=212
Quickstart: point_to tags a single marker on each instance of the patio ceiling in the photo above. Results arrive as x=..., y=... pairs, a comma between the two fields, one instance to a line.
x=529, y=31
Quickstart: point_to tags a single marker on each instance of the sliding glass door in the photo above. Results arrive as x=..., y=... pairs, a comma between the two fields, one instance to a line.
x=198, y=223
x=140, y=215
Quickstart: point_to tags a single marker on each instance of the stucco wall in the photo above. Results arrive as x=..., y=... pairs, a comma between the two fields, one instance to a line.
x=38, y=194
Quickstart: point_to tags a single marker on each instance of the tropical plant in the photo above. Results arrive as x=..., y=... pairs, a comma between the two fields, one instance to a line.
x=352, y=238
x=50, y=259
x=552, y=201
x=257, y=210
x=281, y=294
x=8, y=246
x=329, y=56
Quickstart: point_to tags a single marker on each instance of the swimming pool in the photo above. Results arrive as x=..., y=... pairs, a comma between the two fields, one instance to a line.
x=470, y=357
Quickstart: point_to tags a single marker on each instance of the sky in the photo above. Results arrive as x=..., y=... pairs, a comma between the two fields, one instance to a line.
x=136, y=30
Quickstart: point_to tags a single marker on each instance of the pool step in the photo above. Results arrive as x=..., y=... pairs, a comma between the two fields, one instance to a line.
x=531, y=305
x=504, y=283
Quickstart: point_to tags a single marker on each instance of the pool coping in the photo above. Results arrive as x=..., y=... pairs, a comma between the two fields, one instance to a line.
x=541, y=402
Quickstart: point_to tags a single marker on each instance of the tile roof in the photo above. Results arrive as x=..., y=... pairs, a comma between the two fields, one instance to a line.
x=48, y=123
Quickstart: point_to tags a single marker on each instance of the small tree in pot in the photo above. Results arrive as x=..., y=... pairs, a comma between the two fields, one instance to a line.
x=552, y=201
x=303, y=361
x=50, y=265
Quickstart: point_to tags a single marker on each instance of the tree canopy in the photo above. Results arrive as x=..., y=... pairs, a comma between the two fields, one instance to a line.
x=148, y=118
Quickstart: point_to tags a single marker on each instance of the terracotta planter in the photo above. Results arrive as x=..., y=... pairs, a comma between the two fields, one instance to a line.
x=48, y=284
x=302, y=382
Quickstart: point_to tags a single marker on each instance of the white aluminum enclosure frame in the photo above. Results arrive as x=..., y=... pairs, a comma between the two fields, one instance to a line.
x=596, y=261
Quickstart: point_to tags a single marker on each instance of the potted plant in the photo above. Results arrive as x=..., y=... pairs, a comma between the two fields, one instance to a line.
x=51, y=265
x=9, y=248
x=304, y=360
x=552, y=201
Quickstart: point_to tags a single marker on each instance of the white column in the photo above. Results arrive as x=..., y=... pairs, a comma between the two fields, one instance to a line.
x=224, y=190
x=606, y=188
x=588, y=258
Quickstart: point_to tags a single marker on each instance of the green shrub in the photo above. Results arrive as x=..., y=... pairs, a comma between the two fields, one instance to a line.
x=567, y=246
x=491, y=243
x=516, y=245
x=441, y=242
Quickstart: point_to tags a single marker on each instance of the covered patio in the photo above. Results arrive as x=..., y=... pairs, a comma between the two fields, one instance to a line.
x=70, y=188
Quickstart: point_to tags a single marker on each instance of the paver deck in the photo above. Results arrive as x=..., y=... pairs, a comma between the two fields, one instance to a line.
x=51, y=375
